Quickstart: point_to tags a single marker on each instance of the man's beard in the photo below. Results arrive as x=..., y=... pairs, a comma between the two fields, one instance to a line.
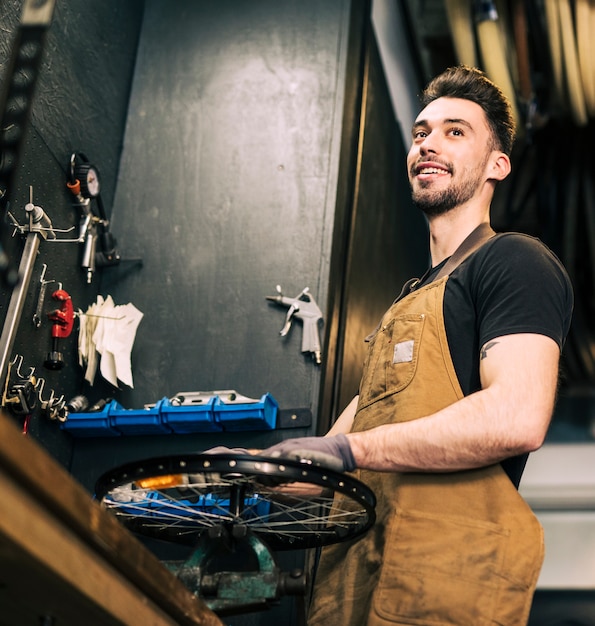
x=438, y=202
x=442, y=201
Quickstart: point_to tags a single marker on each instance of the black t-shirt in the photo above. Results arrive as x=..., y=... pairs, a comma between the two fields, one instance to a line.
x=512, y=284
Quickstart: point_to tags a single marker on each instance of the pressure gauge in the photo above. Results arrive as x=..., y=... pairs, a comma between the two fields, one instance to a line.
x=88, y=175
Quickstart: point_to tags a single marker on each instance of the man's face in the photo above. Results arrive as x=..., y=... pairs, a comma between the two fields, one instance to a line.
x=447, y=161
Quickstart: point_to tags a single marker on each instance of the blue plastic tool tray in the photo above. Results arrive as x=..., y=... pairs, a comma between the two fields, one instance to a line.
x=147, y=421
x=96, y=424
x=154, y=504
x=235, y=413
x=196, y=417
x=190, y=412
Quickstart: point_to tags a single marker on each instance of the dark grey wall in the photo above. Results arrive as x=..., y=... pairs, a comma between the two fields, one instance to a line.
x=227, y=188
x=80, y=104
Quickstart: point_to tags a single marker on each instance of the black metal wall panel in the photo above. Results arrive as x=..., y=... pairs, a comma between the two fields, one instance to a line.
x=226, y=189
x=80, y=103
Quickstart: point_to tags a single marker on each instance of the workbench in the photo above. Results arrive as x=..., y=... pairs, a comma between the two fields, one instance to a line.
x=64, y=561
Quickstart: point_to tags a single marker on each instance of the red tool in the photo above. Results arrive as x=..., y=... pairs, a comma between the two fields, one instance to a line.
x=63, y=319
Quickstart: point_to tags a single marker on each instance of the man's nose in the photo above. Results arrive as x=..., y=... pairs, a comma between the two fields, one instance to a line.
x=429, y=144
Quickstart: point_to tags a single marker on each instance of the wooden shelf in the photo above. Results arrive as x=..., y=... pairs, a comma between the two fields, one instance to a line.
x=65, y=561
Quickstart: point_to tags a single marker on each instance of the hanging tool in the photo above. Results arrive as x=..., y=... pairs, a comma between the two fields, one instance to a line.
x=20, y=392
x=84, y=184
x=304, y=307
x=78, y=404
x=63, y=319
x=99, y=243
x=41, y=297
x=54, y=408
x=22, y=396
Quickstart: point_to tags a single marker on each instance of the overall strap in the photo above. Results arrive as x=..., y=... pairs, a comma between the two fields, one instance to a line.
x=470, y=244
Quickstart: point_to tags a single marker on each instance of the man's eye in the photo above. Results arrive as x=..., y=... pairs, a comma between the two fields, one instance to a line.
x=457, y=132
x=419, y=134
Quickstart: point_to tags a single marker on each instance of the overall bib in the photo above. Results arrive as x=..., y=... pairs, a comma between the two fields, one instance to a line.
x=451, y=549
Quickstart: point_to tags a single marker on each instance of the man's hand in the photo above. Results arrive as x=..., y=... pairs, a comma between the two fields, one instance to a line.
x=225, y=450
x=331, y=452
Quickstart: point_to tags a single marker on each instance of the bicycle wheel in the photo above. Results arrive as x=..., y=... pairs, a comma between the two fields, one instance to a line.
x=177, y=498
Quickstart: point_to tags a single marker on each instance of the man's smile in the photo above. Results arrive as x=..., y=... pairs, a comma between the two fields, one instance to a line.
x=426, y=168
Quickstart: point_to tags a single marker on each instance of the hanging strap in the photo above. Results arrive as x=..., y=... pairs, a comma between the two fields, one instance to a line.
x=470, y=244
x=473, y=241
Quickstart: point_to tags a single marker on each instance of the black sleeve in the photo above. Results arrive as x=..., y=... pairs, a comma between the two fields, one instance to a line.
x=521, y=287
x=513, y=284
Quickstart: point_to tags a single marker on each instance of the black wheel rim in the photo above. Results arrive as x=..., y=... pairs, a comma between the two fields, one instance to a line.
x=237, y=491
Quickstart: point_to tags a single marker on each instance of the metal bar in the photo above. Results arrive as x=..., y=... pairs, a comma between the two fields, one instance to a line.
x=17, y=300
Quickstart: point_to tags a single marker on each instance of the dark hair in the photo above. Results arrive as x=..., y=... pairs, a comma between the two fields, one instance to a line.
x=469, y=83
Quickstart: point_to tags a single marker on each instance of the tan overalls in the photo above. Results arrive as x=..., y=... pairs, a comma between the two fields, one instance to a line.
x=460, y=548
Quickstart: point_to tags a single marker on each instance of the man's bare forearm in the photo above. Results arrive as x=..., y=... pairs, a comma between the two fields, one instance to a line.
x=462, y=436
x=509, y=416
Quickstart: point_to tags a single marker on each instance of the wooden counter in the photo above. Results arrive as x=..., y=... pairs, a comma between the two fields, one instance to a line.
x=64, y=561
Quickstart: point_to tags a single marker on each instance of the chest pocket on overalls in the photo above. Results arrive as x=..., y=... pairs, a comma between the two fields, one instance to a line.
x=392, y=357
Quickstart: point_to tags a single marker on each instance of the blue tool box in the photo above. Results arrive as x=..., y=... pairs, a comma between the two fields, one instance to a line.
x=147, y=421
x=153, y=504
x=189, y=412
x=197, y=417
x=235, y=414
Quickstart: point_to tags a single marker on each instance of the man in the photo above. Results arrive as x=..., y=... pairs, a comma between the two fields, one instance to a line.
x=458, y=387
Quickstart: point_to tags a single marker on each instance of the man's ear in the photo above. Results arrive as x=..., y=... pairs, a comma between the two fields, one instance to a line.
x=499, y=167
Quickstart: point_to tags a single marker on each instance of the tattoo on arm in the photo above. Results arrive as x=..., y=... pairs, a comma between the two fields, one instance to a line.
x=483, y=354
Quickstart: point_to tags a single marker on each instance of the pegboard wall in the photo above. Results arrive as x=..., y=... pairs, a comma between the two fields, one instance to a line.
x=80, y=104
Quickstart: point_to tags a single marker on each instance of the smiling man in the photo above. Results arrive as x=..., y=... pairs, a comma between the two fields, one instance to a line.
x=458, y=388
x=430, y=172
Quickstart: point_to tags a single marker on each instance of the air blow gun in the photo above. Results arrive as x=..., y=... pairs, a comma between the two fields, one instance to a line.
x=304, y=307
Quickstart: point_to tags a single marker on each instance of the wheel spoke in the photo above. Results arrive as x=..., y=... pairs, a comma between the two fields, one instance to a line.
x=206, y=499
